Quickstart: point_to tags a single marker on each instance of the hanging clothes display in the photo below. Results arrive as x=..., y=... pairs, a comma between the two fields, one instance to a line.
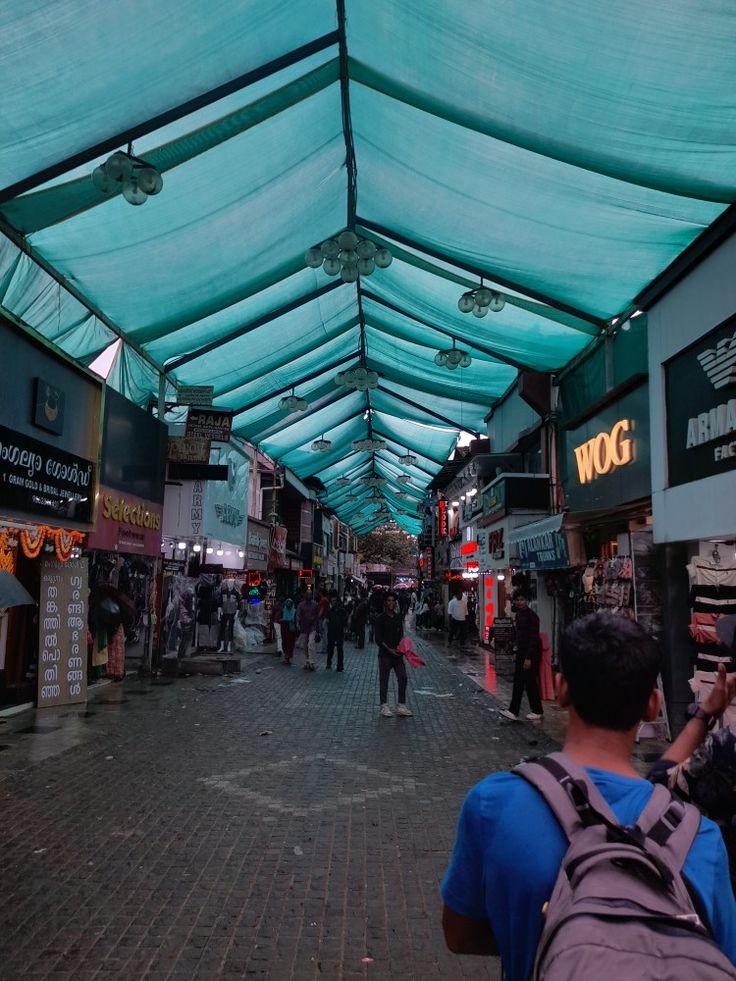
x=712, y=597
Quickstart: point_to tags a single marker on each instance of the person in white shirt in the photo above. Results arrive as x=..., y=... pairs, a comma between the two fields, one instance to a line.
x=457, y=610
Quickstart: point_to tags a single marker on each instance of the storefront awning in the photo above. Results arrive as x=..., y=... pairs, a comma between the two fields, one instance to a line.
x=543, y=544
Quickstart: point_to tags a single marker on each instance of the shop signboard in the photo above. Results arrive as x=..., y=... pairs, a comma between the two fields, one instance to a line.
x=195, y=395
x=700, y=387
x=133, y=449
x=62, y=633
x=257, y=546
x=43, y=479
x=226, y=501
x=189, y=449
x=605, y=460
x=542, y=544
x=210, y=424
x=126, y=523
x=277, y=558
x=503, y=634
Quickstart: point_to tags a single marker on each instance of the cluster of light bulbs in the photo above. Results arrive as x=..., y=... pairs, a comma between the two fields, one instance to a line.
x=404, y=479
x=408, y=460
x=322, y=445
x=348, y=256
x=197, y=548
x=373, y=480
x=453, y=358
x=479, y=301
x=369, y=445
x=360, y=378
x=122, y=171
x=293, y=403
x=343, y=481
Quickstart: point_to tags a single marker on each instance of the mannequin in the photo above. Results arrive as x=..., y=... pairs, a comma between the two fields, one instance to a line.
x=228, y=604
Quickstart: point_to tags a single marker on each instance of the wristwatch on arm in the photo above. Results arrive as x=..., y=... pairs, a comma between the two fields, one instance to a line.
x=698, y=712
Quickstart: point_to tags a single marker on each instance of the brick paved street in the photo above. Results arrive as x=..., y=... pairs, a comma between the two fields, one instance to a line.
x=268, y=826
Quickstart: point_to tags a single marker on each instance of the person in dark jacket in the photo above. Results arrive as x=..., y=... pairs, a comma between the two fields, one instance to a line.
x=335, y=620
x=526, y=665
x=388, y=631
x=359, y=620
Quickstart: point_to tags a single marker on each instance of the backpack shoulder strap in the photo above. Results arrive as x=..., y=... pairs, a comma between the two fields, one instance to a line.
x=671, y=824
x=569, y=792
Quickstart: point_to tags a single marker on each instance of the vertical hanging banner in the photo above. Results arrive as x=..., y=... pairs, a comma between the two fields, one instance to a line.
x=62, y=633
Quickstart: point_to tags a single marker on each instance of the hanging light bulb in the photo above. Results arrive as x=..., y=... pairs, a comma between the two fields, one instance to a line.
x=119, y=166
x=100, y=179
x=347, y=240
x=366, y=249
x=498, y=302
x=313, y=258
x=480, y=311
x=149, y=180
x=321, y=445
x=349, y=274
x=366, y=267
x=466, y=303
x=132, y=193
x=330, y=249
x=383, y=258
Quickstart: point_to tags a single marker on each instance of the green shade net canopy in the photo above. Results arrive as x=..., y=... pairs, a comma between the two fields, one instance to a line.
x=563, y=155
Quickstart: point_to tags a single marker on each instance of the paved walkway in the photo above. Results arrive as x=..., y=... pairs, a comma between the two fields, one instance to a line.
x=265, y=826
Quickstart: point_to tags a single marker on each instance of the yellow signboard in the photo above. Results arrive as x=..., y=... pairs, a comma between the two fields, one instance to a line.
x=604, y=452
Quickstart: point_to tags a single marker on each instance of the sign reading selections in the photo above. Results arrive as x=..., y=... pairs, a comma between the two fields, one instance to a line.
x=62, y=633
x=701, y=407
x=127, y=524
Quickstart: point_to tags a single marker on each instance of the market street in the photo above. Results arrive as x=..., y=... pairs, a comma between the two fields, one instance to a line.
x=268, y=825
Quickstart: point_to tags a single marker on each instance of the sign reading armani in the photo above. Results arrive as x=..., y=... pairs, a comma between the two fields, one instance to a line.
x=41, y=479
x=701, y=407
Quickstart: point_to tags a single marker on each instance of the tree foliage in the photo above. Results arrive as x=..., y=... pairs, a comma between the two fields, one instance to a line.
x=389, y=546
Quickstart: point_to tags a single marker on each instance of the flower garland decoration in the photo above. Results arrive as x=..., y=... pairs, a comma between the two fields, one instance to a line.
x=31, y=541
x=64, y=542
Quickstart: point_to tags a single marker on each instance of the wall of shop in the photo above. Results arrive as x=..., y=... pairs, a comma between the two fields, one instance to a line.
x=702, y=301
x=508, y=419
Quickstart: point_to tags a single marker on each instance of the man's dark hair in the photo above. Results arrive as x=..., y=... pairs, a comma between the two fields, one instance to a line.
x=391, y=595
x=611, y=666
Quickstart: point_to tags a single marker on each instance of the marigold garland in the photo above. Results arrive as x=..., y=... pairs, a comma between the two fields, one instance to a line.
x=64, y=542
x=33, y=543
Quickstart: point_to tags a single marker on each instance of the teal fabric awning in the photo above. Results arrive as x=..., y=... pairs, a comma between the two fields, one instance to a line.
x=562, y=154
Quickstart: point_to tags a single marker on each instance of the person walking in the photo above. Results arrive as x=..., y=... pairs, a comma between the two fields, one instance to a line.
x=359, y=620
x=526, y=664
x=288, y=630
x=307, y=624
x=457, y=612
x=499, y=889
x=388, y=631
x=337, y=617
x=323, y=607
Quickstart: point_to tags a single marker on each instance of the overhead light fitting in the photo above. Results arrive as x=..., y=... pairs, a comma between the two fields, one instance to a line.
x=220, y=551
x=343, y=481
x=293, y=403
x=196, y=548
x=322, y=445
x=348, y=257
x=123, y=171
x=181, y=546
x=360, y=378
x=453, y=358
x=373, y=480
x=404, y=479
x=408, y=460
x=369, y=445
x=351, y=497
x=480, y=300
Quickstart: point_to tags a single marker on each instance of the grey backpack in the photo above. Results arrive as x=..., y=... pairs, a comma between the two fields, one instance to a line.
x=620, y=909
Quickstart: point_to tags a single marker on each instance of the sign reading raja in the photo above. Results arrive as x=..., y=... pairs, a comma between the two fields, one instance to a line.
x=600, y=454
x=210, y=424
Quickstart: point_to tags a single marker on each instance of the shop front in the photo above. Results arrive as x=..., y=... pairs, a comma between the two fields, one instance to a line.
x=49, y=447
x=124, y=550
x=692, y=352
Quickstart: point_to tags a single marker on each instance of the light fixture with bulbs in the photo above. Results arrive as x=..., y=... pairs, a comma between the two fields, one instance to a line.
x=123, y=171
x=322, y=445
x=360, y=378
x=453, y=358
x=480, y=300
x=369, y=445
x=408, y=460
x=293, y=403
x=373, y=480
x=404, y=479
x=348, y=256
x=343, y=481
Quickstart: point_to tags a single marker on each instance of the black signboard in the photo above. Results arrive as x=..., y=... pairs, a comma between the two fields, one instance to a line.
x=700, y=386
x=41, y=479
x=210, y=424
x=606, y=459
x=133, y=449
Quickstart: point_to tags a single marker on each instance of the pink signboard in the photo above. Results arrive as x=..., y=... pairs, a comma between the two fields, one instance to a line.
x=126, y=523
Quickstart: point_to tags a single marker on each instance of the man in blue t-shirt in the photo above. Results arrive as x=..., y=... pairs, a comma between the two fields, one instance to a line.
x=509, y=846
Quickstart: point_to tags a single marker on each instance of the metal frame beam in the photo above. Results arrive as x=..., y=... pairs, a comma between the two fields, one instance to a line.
x=430, y=412
x=300, y=381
